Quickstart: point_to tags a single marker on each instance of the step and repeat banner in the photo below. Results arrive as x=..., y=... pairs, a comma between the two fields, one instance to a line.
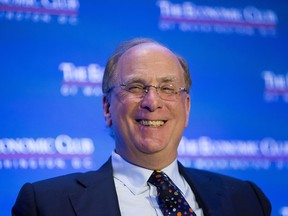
x=52, y=58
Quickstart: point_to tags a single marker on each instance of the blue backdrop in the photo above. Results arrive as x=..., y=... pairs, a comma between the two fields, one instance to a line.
x=52, y=57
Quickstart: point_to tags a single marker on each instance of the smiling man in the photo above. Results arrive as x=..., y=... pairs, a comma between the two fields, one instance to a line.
x=146, y=105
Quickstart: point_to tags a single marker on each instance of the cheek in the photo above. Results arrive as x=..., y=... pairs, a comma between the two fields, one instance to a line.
x=181, y=113
x=120, y=113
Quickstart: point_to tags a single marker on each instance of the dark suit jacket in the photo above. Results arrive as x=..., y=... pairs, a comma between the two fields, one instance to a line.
x=93, y=194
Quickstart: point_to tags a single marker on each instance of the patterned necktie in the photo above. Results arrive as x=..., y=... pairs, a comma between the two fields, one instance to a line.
x=169, y=197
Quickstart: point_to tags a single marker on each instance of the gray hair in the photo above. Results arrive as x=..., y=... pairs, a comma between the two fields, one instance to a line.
x=109, y=76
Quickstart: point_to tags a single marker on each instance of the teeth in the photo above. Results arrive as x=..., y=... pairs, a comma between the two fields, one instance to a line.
x=151, y=123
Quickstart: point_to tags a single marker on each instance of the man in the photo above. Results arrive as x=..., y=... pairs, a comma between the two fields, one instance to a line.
x=146, y=104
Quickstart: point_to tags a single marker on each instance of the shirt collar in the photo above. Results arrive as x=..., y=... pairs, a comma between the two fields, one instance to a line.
x=135, y=177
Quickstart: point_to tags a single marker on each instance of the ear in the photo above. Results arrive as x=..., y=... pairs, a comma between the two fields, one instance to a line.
x=187, y=106
x=106, y=109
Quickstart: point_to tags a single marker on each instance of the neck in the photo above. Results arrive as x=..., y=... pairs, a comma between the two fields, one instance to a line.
x=156, y=161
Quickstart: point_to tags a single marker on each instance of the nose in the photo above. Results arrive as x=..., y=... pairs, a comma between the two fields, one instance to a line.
x=151, y=100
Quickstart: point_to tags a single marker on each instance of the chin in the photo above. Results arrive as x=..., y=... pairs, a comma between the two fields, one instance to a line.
x=152, y=147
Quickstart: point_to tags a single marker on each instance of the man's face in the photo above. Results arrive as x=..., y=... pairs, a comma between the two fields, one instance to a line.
x=147, y=127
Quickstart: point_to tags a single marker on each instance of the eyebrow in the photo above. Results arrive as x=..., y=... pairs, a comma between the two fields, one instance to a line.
x=134, y=79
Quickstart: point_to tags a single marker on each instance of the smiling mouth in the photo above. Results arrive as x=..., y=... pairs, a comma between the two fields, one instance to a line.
x=151, y=123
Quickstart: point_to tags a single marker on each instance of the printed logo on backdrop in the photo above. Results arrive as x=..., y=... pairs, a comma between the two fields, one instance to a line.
x=61, y=152
x=276, y=86
x=189, y=17
x=206, y=153
x=45, y=11
x=85, y=80
x=284, y=211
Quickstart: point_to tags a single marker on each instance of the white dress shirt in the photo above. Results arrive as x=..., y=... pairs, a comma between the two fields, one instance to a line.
x=138, y=197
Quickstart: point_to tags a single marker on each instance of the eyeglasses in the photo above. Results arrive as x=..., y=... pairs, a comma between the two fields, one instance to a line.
x=165, y=91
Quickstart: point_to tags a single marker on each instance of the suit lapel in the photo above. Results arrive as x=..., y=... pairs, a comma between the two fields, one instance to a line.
x=97, y=193
x=210, y=192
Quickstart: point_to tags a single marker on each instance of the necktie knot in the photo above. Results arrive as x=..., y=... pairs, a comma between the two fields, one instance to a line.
x=163, y=184
x=169, y=196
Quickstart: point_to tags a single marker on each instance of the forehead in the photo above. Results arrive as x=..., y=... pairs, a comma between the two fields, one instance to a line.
x=149, y=61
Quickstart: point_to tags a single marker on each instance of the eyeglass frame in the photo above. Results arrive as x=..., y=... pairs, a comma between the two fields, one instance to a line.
x=146, y=89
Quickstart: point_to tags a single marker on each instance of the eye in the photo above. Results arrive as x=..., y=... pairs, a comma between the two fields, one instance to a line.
x=135, y=87
x=168, y=89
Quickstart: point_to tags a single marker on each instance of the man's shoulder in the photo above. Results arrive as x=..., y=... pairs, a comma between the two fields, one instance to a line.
x=198, y=173
x=72, y=180
x=212, y=179
x=227, y=183
x=63, y=180
x=242, y=192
